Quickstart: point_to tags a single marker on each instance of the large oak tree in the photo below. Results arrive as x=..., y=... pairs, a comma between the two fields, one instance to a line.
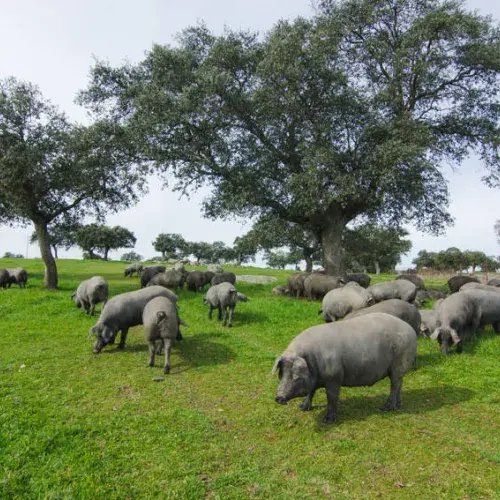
x=50, y=168
x=352, y=112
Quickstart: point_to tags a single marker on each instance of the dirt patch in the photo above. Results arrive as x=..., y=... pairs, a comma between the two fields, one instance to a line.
x=256, y=279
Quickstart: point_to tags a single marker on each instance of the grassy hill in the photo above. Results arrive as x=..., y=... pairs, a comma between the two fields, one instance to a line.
x=77, y=425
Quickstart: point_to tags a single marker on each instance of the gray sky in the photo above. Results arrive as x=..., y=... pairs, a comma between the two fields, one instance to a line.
x=52, y=43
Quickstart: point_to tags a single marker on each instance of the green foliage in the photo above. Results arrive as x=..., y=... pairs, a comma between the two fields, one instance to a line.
x=244, y=249
x=62, y=234
x=97, y=237
x=375, y=248
x=453, y=259
x=77, y=425
x=51, y=168
x=10, y=255
x=131, y=257
x=201, y=250
x=321, y=120
x=171, y=245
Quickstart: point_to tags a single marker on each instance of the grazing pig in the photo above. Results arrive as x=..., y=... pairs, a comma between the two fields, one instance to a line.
x=161, y=322
x=223, y=278
x=395, y=307
x=171, y=278
x=149, y=272
x=479, y=286
x=196, y=280
x=413, y=278
x=281, y=290
x=457, y=316
x=135, y=267
x=17, y=275
x=353, y=353
x=455, y=282
x=224, y=297
x=339, y=302
x=122, y=312
x=4, y=278
x=360, y=278
x=317, y=285
x=398, y=289
x=90, y=292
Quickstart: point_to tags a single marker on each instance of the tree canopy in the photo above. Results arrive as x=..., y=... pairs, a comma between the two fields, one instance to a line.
x=50, y=168
x=171, y=245
x=351, y=112
x=95, y=237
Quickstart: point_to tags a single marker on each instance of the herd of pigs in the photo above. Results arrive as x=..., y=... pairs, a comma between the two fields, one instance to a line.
x=376, y=339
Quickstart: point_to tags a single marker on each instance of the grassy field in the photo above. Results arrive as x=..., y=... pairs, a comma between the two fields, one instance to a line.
x=78, y=425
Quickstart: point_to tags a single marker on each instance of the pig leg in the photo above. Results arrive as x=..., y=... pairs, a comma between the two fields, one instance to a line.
x=306, y=405
x=152, y=348
x=394, y=400
x=220, y=313
x=332, y=396
x=123, y=338
x=210, y=309
x=224, y=316
x=231, y=310
x=92, y=308
x=496, y=327
x=168, y=347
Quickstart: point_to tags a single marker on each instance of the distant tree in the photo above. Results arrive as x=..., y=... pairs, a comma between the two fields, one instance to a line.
x=425, y=259
x=10, y=255
x=131, y=257
x=245, y=248
x=271, y=232
x=451, y=259
x=51, y=168
x=277, y=259
x=62, y=234
x=352, y=112
x=201, y=250
x=375, y=247
x=220, y=252
x=98, y=237
x=171, y=245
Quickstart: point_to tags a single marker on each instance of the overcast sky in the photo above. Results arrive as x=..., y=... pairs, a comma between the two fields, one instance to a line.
x=52, y=43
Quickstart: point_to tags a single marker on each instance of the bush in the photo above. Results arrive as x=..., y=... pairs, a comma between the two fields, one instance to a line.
x=87, y=256
x=131, y=257
x=10, y=255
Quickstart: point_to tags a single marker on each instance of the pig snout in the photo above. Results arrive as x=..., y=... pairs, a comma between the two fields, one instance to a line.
x=281, y=400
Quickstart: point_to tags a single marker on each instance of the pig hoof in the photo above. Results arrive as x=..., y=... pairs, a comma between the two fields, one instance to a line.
x=328, y=420
x=166, y=370
x=230, y=325
x=305, y=407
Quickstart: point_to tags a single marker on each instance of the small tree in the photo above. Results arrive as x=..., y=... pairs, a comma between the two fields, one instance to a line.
x=62, y=234
x=51, y=168
x=245, y=248
x=131, y=257
x=10, y=255
x=425, y=259
x=201, y=250
x=94, y=237
x=277, y=259
x=171, y=245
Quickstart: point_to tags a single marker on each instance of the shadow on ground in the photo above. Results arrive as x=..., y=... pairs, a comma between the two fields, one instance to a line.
x=415, y=401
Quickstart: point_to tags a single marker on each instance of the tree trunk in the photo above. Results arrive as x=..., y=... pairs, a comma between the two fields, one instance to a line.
x=377, y=267
x=106, y=251
x=331, y=241
x=309, y=263
x=50, y=278
x=55, y=251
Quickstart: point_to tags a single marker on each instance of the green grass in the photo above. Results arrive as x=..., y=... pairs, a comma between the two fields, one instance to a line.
x=77, y=425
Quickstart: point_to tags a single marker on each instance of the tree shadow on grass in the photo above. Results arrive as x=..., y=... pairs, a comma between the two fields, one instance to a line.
x=201, y=350
x=415, y=401
x=241, y=317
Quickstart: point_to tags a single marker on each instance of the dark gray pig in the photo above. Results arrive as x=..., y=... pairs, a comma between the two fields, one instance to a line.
x=91, y=292
x=122, y=312
x=353, y=353
x=395, y=307
x=398, y=289
x=161, y=322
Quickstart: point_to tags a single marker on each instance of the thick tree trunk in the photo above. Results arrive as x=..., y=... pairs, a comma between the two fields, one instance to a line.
x=50, y=279
x=106, y=251
x=55, y=251
x=377, y=267
x=331, y=241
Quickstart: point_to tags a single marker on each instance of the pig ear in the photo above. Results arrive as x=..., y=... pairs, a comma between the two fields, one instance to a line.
x=454, y=336
x=435, y=334
x=107, y=335
x=92, y=331
x=276, y=365
x=299, y=368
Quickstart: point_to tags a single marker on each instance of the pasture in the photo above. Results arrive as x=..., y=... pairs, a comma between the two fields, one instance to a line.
x=78, y=425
